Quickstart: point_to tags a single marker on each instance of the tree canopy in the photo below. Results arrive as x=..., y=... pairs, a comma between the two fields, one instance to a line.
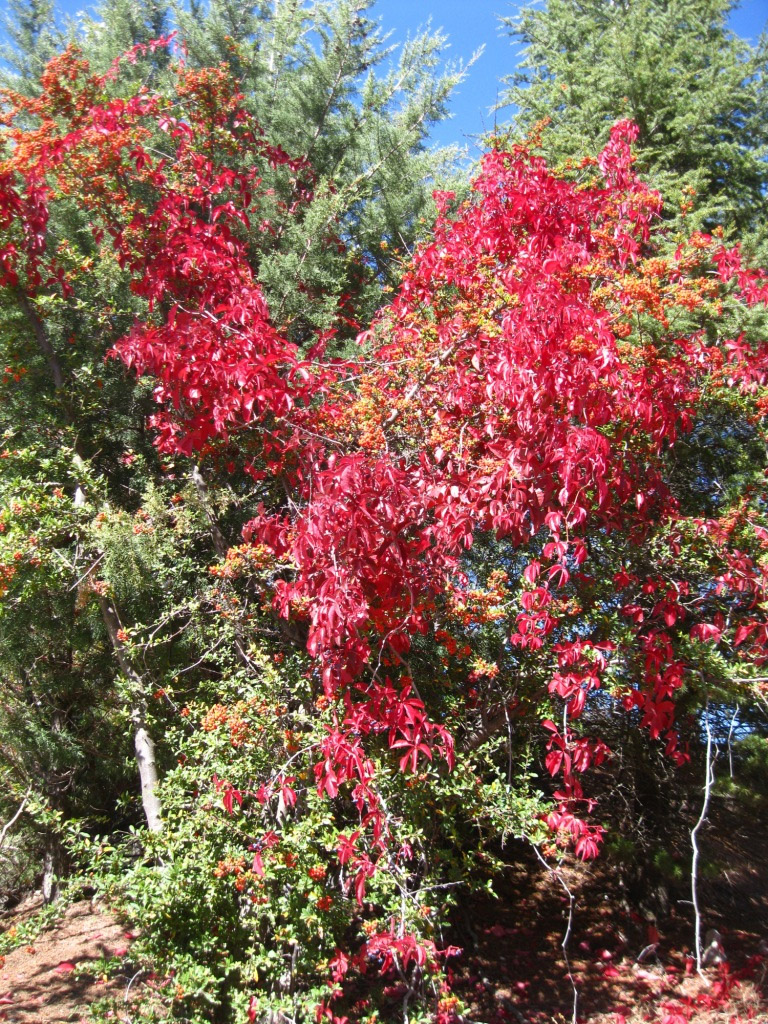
x=696, y=91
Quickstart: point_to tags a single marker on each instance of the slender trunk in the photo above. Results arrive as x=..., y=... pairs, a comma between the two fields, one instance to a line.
x=490, y=725
x=144, y=746
x=709, y=779
x=52, y=865
x=15, y=817
x=42, y=339
x=53, y=861
x=273, y=47
x=143, y=743
x=220, y=545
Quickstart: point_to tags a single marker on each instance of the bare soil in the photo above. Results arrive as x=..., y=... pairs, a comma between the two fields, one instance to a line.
x=515, y=970
x=43, y=982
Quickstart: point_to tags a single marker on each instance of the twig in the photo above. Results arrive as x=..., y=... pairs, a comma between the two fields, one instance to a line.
x=441, y=358
x=130, y=983
x=9, y=825
x=87, y=572
x=709, y=779
x=568, y=928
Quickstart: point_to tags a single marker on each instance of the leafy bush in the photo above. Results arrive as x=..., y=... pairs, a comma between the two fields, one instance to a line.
x=245, y=899
x=750, y=756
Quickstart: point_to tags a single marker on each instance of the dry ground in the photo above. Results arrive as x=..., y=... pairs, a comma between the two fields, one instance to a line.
x=42, y=983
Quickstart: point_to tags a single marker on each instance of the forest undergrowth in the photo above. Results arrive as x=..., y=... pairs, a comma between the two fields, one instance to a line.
x=623, y=961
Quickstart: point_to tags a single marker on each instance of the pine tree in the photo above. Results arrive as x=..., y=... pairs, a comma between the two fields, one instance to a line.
x=32, y=39
x=324, y=84
x=119, y=25
x=699, y=96
x=698, y=93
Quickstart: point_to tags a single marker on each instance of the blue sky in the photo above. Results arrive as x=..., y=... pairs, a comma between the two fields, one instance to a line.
x=470, y=24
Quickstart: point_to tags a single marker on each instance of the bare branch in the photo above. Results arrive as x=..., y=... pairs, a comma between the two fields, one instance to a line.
x=9, y=825
x=709, y=779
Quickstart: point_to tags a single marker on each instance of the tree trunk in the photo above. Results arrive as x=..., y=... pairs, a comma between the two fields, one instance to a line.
x=52, y=864
x=143, y=743
x=220, y=545
x=144, y=746
x=42, y=339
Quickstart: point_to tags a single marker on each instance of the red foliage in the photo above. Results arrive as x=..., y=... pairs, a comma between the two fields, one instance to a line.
x=526, y=383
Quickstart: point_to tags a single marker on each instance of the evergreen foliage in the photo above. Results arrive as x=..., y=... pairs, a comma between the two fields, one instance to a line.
x=699, y=96
x=32, y=40
x=324, y=83
x=326, y=262
x=698, y=93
